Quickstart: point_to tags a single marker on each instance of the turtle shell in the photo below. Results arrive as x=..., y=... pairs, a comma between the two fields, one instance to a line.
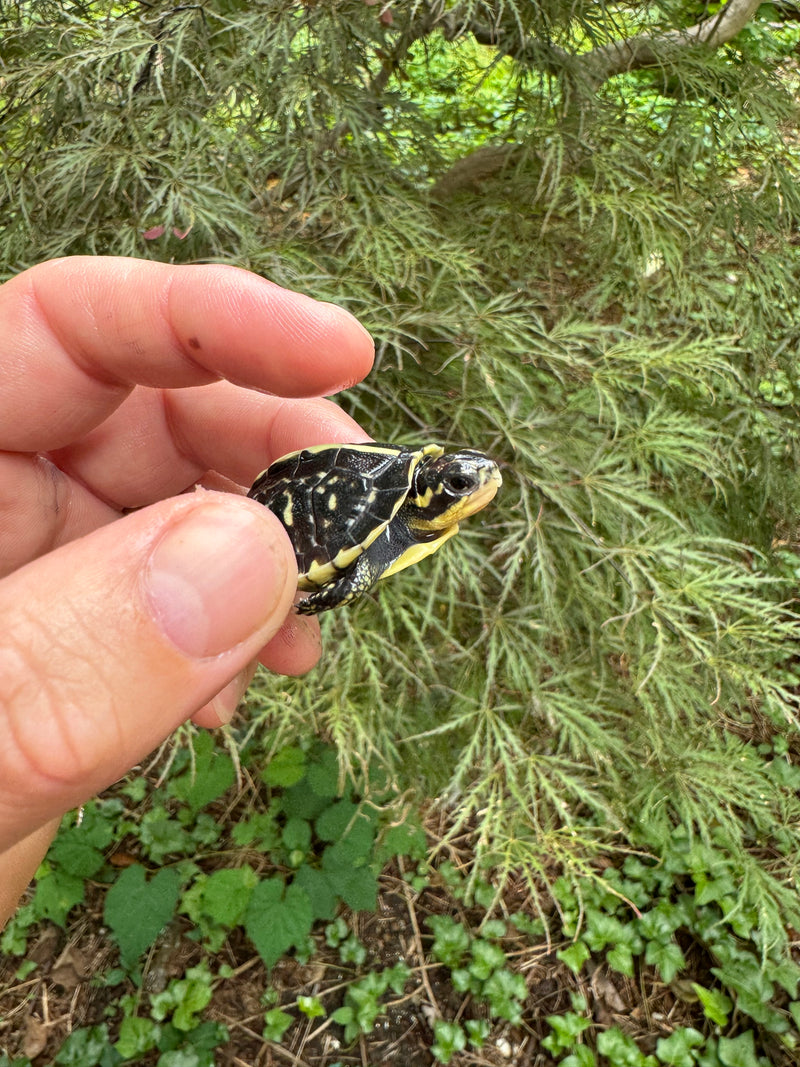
x=334, y=500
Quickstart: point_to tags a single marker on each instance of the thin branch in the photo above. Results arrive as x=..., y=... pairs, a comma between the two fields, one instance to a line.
x=602, y=63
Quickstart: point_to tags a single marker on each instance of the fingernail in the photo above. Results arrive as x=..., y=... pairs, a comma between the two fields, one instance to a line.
x=216, y=577
x=226, y=702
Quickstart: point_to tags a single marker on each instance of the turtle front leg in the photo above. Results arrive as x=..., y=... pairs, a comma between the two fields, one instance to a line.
x=360, y=577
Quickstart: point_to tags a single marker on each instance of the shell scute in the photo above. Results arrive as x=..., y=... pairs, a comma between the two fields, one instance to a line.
x=335, y=501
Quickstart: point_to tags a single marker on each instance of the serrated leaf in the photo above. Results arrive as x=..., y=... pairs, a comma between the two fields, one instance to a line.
x=137, y=910
x=259, y=831
x=407, y=839
x=226, y=894
x=278, y=919
x=323, y=774
x=286, y=767
x=56, y=894
x=332, y=823
x=302, y=803
x=319, y=889
x=353, y=882
x=210, y=776
x=73, y=853
x=297, y=834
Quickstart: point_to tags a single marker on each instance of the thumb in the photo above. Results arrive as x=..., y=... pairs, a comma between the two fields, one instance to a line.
x=111, y=641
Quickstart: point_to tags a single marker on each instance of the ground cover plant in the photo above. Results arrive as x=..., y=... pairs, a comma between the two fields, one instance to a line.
x=589, y=269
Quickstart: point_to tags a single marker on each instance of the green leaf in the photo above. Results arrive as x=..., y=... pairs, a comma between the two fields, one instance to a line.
x=566, y=1029
x=676, y=1050
x=449, y=1039
x=136, y=1037
x=450, y=941
x=620, y=959
x=321, y=893
x=333, y=822
x=226, y=893
x=323, y=774
x=478, y=1031
x=276, y=1023
x=667, y=956
x=286, y=767
x=259, y=831
x=406, y=839
x=350, y=879
x=716, y=1004
x=56, y=894
x=581, y=1057
x=738, y=1051
x=486, y=958
x=84, y=1047
x=297, y=834
x=194, y=996
x=73, y=852
x=311, y=1007
x=575, y=955
x=210, y=776
x=163, y=836
x=136, y=910
x=505, y=991
x=622, y=1050
x=278, y=919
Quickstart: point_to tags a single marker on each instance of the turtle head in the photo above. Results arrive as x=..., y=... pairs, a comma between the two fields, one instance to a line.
x=449, y=488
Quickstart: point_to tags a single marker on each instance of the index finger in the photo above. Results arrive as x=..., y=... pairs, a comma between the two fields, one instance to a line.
x=79, y=333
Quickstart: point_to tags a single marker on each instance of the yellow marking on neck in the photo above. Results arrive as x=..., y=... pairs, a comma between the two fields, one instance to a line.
x=422, y=500
x=419, y=551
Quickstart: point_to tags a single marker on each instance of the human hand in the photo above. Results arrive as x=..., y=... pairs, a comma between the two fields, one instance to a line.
x=122, y=382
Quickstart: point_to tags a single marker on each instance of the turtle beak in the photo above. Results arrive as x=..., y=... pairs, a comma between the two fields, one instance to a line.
x=486, y=491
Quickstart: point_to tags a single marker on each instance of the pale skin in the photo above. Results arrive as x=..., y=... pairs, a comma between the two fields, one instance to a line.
x=129, y=605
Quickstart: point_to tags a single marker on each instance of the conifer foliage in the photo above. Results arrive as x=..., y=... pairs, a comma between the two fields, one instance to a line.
x=572, y=229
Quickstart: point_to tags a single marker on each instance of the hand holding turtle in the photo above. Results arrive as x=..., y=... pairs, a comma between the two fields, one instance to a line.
x=116, y=395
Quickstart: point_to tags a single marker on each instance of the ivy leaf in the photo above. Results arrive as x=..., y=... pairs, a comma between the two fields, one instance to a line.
x=667, y=956
x=738, y=1051
x=575, y=955
x=676, y=1050
x=716, y=1004
x=136, y=910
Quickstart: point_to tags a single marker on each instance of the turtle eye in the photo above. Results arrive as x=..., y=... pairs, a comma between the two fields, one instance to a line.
x=460, y=483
